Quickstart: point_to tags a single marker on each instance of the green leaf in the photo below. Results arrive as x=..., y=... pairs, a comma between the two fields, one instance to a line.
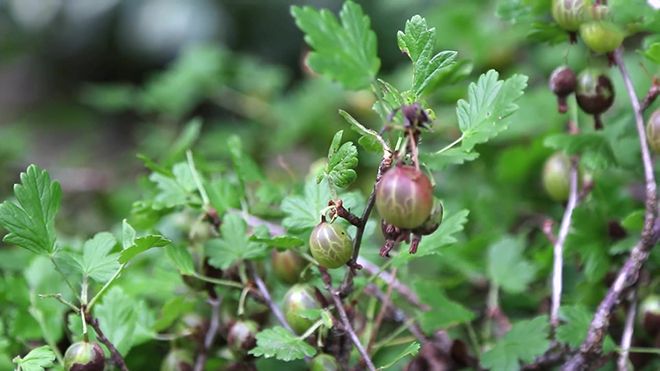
x=575, y=326
x=97, y=262
x=279, y=343
x=445, y=312
x=653, y=52
x=588, y=237
x=37, y=360
x=452, y=156
x=595, y=149
x=305, y=212
x=411, y=350
x=345, y=52
x=432, y=244
x=246, y=169
x=524, y=342
x=417, y=42
x=118, y=318
x=282, y=242
x=142, y=244
x=507, y=267
x=234, y=245
x=369, y=139
x=551, y=33
x=634, y=222
x=127, y=235
x=30, y=223
x=490, y=102
x=176, y=190
x=180, y=256
x=185, y=140
x=173, y=309
x=391, y=99
x=341, y=163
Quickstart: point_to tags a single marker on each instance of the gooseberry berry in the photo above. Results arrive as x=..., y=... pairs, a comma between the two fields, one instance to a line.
x=330, y=245
x=404, y=197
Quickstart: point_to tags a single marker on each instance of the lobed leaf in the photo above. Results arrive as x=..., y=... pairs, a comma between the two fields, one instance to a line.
x=417, y=41
x=30, y=222
x=38, y=359
x=523, y=343
x=342, y=160
x=279, y=343
x=234, y=245
x=346, y=51
x=507, y=267
x=490, y=102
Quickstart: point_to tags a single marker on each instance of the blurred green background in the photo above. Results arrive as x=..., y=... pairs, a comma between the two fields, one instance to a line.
x=86, y=85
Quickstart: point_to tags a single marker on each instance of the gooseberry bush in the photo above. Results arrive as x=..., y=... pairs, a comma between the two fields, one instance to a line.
x=224, y=265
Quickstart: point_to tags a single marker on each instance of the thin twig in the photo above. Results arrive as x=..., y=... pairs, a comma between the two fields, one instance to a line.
x=347, y=285
x=114, y=353
x=650, y=97
x=558, y=247
x=261, y=286
x=344, y=319
x=626, y=337
x=627, y=276
x=399, y=286
x=209, y=338
x=385, y=303
x=397, y=313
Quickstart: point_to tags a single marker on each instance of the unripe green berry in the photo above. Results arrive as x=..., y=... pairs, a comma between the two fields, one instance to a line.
x=601, y=36
x=324, y=362
x=287, y=265
x=653, y=131
x=569, y=14
x=330, y=245
x=404, y=197
x=298, y=299
x=556, y=176
x=84, y=356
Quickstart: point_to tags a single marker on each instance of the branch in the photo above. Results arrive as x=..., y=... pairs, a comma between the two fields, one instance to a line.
x=211, y=332
x=347, y=285
x=628, y=329
x=650, y=97
x=400, y=287
x=114, y=353
x=386, y=301
x=344, y=319
x=558, y=247
x=627, y=276
x=397, y=313
x=261, y=286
